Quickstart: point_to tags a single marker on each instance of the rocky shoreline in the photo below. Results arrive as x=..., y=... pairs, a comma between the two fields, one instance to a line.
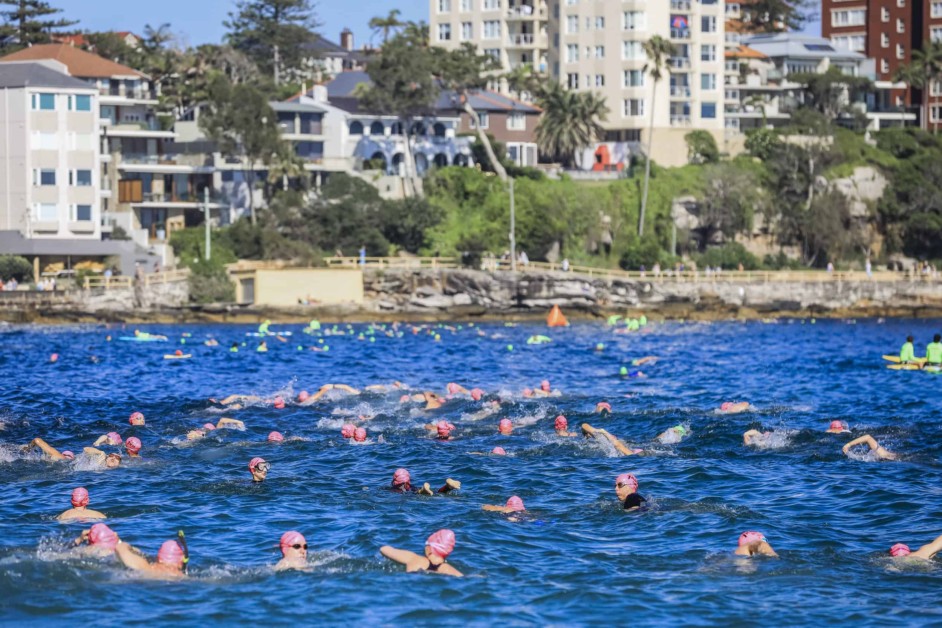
x=447, y=295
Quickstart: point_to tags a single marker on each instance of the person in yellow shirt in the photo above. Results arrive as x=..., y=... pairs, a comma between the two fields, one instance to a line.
x=934, y=351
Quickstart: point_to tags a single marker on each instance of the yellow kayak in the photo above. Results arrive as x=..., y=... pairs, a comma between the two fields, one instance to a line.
x=904, y=367
x=895, y=359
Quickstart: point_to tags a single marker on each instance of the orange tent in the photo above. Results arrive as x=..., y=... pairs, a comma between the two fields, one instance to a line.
x=556, y=318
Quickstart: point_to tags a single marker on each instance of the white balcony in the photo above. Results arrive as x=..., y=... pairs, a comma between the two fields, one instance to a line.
x=680, y=120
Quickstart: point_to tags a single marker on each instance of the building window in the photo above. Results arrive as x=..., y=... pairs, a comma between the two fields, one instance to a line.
x=80, y=103
x=572, y=53
x=884, y=40
x=600, y=52
x=708, y=23
x=444, y=32
x=884, y=14
x=572, y=24
x=491, y=5
x=633, y=21
x=900, y=51
x=492, y=29
x=493, y=53
x=600, y=80
x=900, y=26
x=855, y=43
x=516, y=122
x=935, y=88
x=467, y=31
x=934, y=113
x=633, y=108
x=600, y=23
x=935, y=33
x=707, y=52
x=44, y=177
x=853, y=17
x=46, y=212
x=466, y=6
x=935, y=9
x=444, y=6
x=708, y=82
x=81, y=212
x=44, y=102
x=633, y=78
x=631, y=50
x=482, y=122
x=708, y=110
x=884, y=66
x=572, y=81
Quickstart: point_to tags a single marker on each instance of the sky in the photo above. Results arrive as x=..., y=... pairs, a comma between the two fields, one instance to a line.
x=200, y=21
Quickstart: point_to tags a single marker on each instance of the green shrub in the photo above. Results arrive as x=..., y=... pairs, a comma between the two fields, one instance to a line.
x=15, y=267
x=729, y=257
x=644, y=253
x=209, y=283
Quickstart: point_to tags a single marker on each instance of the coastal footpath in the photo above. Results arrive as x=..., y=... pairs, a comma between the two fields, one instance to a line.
x=457, y=294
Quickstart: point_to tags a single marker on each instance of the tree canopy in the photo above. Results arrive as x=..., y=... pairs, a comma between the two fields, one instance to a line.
x=29, y=22
x=275, y=34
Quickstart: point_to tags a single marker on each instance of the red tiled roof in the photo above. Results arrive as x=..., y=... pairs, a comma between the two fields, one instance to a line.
x=81, y=64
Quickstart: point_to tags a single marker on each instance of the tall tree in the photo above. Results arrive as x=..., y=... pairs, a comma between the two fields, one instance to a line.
x=658, y=51
x=274, y=34
x=465, y=71
x=920, y=73
x=523, y=81
x=775, y=16
x=29, y=22
x=402, y=83
x=570, y=121
x=386, y=25
x=831, y=93
x=243, y=125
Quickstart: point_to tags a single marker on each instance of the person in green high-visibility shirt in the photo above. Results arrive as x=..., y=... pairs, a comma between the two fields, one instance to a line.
x=263, y=328
x=934, y=351
x=907, y=353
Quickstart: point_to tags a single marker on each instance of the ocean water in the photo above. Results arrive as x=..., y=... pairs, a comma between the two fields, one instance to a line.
x=575, y=557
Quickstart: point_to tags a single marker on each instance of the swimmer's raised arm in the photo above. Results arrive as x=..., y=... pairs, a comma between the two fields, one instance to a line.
x=45, y=447
x=929, y=550
x=91, y=451
x=130, y=557
x=749, y=435
x=227, y=422
x=865, y=439
x=588, y=430
x=403, y=557
x=349, y=389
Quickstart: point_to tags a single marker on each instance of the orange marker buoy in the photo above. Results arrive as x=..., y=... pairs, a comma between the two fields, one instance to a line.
x=556, y=318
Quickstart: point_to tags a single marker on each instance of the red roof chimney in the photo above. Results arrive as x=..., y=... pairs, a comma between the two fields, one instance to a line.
x=346, y=39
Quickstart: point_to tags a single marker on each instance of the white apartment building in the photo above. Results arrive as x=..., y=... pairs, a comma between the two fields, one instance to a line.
x=596, y=45
x=49, y=153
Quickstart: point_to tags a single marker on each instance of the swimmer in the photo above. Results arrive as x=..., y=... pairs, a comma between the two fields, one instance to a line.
x=212, y=342
x=505, y=427
x=49, y=451
x=359, y=435
x=402, y=483
x=262, y=347
x=437, y=548
x=926, y=552
x=729, y=407
x=200, y=432
x=477, y=394
x=329, y=387
x=293, y=552
x=837, y=427
x=101, y=540
x=545, y=390
x=672, y=435
x=604, y=408
x=136, y=419
x=626, y=488
x=227, y=423
x=133, y=447
x=875, y=447
x=275, y=437
x=79, y=509
x=111, y=438
x=561, y=425
x=648, y=359
x=622, y=448
x=110, y=461
x=499, y=451
x=754, y=544
x=514, y=504
x=171, y=560
x=259, y=469
x=457, y=389
x=443, y=429
x=234, y=347
x=347, y=430
x=755, y=437
x=382, y=388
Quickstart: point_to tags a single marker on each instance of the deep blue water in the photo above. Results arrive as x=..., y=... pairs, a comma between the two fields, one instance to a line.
x=575, y=558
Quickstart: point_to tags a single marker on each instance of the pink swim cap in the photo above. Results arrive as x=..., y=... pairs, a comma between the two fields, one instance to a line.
x=133, y=445
x=603, y=405
x=627, y=479
x=79, y=497
x=68, y=454
x=279, y=403
x=401, y=476
x=275, y=437
x=527, y=392
x=499, y=451
x=515, y=504
x=254, y=462
x=405, y=399
x=103, y=536
x=747, y=538
x=347, y=430
x=208, y=426
x=303, y=396
x=170, y=553
x=444, y=428
x=453, y=388
x=136, y=416
x=53, y=357
x=114, y=437
x=504, y=425
x=359, y=435
x=545, y=385
x=837, y=425
x=561, y=422
x=291, y=538
x=442, y=543
x=900, y=549
x=726, y=405
x=476, y=394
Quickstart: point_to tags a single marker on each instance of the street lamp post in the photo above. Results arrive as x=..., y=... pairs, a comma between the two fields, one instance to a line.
x=206, y=220
x=513, y=228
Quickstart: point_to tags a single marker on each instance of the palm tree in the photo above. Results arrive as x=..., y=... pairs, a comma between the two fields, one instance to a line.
x=658, y=50
x=924, y=70
x=386, y=25
x=522, y=79
x=570, y=121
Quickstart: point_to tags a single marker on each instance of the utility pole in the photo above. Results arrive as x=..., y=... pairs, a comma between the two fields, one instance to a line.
x=277, y=67
x=206, y=220
x=513, y=230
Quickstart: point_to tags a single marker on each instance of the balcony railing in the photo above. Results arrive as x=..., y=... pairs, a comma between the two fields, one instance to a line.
x=680, y=120
x=525, y=12
x=521, y=39
x=680, y=33
x=680, y=91
x=678, y=63
x=680, y=5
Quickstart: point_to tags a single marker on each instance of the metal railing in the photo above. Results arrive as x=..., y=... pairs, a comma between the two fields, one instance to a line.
x=391, y=262
x=123, y=282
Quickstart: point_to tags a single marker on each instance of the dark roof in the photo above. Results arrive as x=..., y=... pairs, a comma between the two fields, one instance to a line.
x=22, y=74
x=340, y=94
x=325, y=47
x=13, y=243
